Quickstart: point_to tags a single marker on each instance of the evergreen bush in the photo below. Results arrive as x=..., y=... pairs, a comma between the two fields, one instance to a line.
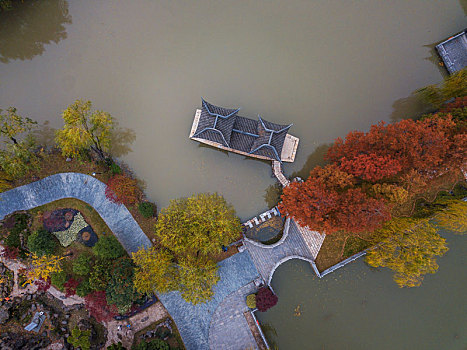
x=108, y=248
x=58, y=279
x=42, y=242
x=147, y=209
x=82, y=265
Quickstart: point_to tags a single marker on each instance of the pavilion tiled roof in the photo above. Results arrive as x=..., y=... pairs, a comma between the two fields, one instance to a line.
x=224, y=126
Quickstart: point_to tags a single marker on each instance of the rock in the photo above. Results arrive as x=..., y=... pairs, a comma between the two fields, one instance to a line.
x=4, y=314
x=64, y=322
x=55, y=315
x=63, y=329
x=67, y=316
x=33, y=307
x=68, y=159
x=44, y=334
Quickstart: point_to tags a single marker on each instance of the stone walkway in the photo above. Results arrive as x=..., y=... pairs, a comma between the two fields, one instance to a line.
x=229, y=329
x=85, y=188
x=194, y=322
x=15, y=266
x=277, y=170
x=296, y=243
x=154, y=313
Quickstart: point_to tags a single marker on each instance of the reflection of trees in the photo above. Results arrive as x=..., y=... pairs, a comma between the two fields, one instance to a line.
x=30, y=25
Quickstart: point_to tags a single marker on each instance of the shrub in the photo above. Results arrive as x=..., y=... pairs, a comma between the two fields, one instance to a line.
x=265, y=299
x=108, y=248
x=122, y=189
x=147, y=209
x=251, y=301
x=96, y=304
x=115, y=169
x=10, y=252
x=81, y=265
x=80, y=339
x=13, y=240
x=118, y=346
x=100, y=275
x=42, y=243
x=42, y=285
x=70, y=287
x=58, y=279
x=155, y=344
x=83, y=289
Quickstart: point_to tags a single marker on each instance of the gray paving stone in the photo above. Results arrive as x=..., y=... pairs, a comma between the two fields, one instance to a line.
x=85, y=188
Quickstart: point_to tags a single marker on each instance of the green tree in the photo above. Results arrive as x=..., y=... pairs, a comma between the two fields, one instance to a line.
x=118, y=346
x=100, y=275
x=83, y=288
x=120, y=290
x=454, y=217
x=82, y=265
x=18, y=157
x=453, y=86
x=84, y=129
x=196, y=279
x=80, y=339
x=58, y=279
x=200, y=224
x=408, y=247
x=154, y=344
x=155, y=271
x=108, y=248
x=42, y=242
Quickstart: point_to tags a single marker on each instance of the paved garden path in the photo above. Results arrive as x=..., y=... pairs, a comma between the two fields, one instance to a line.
x=85, y=188
x=195, y=321
x=154, y=313
x=15, y=266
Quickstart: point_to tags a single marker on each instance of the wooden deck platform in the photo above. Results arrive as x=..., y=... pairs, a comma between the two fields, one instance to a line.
x=289, y=149
x=453, y=52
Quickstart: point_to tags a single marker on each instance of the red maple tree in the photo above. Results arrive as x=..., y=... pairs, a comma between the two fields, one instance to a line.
x=424, y=145
x=324, y=208
x=371, y=167
x=70, y=287
x=96, y=304
x=122, y=189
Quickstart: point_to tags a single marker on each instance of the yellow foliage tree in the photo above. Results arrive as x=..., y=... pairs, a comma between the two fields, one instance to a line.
x=154, y=272
x=392, y=193
x=453, y=86
x=18, y=157
x=41, y=267
x=196, y=279
x=454, y=217
x=84, y=129
x=408, y=247
x=198, y=225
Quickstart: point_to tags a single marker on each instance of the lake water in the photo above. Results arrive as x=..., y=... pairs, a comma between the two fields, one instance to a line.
x=327, y=66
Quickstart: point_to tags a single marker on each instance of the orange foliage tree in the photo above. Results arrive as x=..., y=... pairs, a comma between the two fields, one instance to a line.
x=371, y=167
x=122, y=189
x=427, y=146
x=328, y=202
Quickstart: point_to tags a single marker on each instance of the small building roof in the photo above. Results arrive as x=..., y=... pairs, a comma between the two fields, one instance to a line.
x=224, y=126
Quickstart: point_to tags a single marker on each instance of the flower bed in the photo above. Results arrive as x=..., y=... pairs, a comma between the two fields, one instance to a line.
x=59, y=220
x=87, y=236
x=68, y=236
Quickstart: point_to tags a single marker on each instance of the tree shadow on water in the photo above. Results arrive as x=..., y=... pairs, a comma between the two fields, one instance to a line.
x=463, y=4
x=29, y=26
x=314, y=159
x=411, y=107
x=122, y=138
x=45, y=135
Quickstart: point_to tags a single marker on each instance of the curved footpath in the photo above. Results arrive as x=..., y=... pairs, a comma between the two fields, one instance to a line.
x=85, y=188
x=195, y=323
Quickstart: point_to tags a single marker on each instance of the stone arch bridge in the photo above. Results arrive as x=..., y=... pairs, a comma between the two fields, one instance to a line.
x=296, y=243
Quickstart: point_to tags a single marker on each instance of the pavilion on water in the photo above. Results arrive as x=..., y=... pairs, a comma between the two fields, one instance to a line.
x=223, y=128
